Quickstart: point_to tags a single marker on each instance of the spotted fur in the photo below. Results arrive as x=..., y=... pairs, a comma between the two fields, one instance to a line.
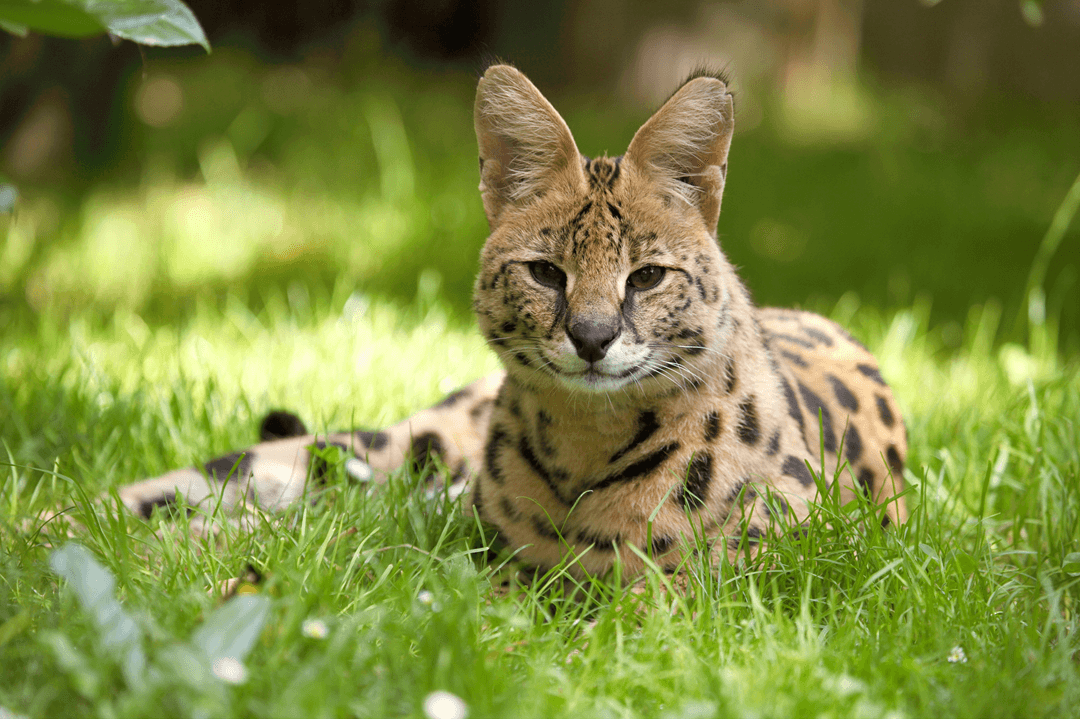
x=641, y=381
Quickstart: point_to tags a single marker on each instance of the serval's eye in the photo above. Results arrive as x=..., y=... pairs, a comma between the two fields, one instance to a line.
x=646, y=278
x=548, y=274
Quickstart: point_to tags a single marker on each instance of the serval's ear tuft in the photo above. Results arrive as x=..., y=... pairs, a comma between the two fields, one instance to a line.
x=524, y=143
x=684, y=146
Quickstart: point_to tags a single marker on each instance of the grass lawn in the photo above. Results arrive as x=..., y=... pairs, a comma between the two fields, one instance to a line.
x=118, y=362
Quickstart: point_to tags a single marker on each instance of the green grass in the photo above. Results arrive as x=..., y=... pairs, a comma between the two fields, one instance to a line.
x=846, y=623
x=129, y=349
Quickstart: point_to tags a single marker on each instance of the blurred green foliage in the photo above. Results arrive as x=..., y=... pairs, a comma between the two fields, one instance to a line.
x=237, y=177
x=148, y=22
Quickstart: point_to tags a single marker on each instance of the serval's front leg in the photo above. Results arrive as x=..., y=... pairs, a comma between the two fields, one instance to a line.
x=274, y=474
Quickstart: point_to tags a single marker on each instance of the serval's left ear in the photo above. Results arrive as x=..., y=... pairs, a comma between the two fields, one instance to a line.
x=525, y=146
x=684, y=146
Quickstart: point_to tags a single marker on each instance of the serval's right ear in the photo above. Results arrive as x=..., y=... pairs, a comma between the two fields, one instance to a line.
x=525, y=146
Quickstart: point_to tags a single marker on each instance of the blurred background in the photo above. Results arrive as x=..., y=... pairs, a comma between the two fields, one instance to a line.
x=887, y=151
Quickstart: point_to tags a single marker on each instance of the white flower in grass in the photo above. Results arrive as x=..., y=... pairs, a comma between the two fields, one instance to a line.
x=957, y=656
x=444, y=705
x=314, y=629
x=426, y=597
x=229, y=670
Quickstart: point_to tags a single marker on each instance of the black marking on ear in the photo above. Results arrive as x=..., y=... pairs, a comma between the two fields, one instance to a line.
x=647, y=426
x=884, y=412
x=712, y=426
x=509, y=510
x=491, y=454
x=165, y=501
x=319, y=468
x=551, y=477
x=279, y=425
x=425, y=448
x=872, y=372
x=795, y=467
x=694, y=492
x=866, y=480
x=814, y=405
x=642, y=468
x=730, y=378
x=852, y=444
x=705, y=71
x=843, y=395
x=774, y=444
x=895, y=463
x=223, y=467
x=373, y=441
x=818, y=335
x=451, y=399
x=747, y=429
x=793, y=358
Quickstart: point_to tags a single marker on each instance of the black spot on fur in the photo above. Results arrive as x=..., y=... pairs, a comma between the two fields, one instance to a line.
x=374, y=441
x=884, y=412
x=795, y=467
x=319, y=467
x=791, y=339
x=819, y=336
x=588, y=536
x=815, y=406
x=794, y=410
x=451, y=399
x=843, y=395
x=551, y=477
x=166, y=501
x=730, y=379
x=480, y=409
x=542, y=526
x=795, y=359
x=478, y=503
x=774, y=444
x=509, y=510
x=491, y=455
x=774, y=504
x=737, y=491
x=866, y=480
x=747, y=429
x=712, y=426
x=647, y=426
x=695, y=491
x=279, y=425
x=895, y=463
x=852, y=444
x=543, y=437
x=233, y=466
x=660, y=545
x=424, y=449
x=641, y=468
x=871, y=372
